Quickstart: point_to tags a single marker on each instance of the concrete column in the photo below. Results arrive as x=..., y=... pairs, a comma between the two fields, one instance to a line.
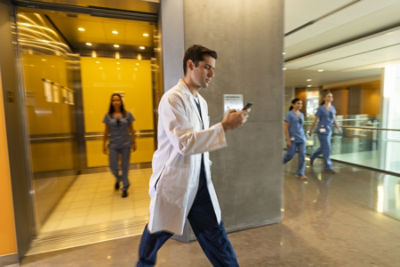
x=248, y=36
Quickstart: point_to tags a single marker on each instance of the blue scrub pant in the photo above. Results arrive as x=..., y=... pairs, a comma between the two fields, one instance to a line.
x=301, y=147
x=211, y=235
x=324, y=149
x=125, y=156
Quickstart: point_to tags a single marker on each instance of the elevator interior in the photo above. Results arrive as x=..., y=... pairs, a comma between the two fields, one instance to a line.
x=71, y=63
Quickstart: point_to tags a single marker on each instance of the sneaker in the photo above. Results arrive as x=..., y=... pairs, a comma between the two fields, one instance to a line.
x=124, y=193
x=116, y=186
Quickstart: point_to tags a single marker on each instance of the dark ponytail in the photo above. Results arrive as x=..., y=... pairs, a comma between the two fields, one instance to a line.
x=294, y=101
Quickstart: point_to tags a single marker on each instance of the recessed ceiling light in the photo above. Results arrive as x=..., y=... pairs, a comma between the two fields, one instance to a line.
x=146, y=34
x=320, y=70
x=89, y=44
x=142, y=47
x=81, y=29
x=309, y=85
x=284, y=53
x=97, y=62
x=118, y=62
x=115, y=32
x=116, y=45
x=284, y=68
x=309, y=80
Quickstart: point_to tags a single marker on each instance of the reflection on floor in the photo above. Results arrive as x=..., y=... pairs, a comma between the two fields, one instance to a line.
x=92, y=211
x=329, y=220
x=92, y=200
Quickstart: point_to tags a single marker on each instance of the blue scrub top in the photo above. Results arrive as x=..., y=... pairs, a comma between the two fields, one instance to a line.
x=296, y=129
x=119, y=130
x=326, y=119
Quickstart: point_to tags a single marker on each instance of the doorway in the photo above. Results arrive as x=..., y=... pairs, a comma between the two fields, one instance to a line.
x=71, y=63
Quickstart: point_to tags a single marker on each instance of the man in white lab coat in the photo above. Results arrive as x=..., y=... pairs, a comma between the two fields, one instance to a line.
x=181, y=186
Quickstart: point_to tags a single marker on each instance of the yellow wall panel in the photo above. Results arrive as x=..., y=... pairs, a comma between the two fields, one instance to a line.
x=100, y=78
x=96, y=157
x=52, y=156
x=8, y=243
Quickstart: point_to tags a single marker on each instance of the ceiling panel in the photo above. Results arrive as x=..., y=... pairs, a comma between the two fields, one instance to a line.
x=297, y=13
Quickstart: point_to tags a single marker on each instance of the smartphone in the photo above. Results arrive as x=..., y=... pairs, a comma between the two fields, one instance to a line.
x=248, y=105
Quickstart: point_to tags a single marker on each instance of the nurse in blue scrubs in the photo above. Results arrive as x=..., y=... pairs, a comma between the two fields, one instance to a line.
x=326, y=117
x=295, y=137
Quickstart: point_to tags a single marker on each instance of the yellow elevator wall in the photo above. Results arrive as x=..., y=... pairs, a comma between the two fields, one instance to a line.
x=44, y=117
x=100, y=78
x=8, y=243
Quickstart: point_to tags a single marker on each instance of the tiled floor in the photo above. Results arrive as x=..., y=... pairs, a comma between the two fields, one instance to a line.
x=330, y=220
x=92, y=200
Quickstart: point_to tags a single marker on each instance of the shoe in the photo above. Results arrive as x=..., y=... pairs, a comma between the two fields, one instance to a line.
x=302, y=177
x=330, y=171
x=116, y=186
x=124, y=193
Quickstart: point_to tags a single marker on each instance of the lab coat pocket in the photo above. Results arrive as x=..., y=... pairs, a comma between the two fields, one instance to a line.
x=172, y=185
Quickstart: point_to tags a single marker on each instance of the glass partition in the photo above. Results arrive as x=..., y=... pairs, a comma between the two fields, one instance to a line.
x=363, y=142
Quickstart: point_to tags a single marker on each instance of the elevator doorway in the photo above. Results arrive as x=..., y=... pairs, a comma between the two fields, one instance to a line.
x=71, y=63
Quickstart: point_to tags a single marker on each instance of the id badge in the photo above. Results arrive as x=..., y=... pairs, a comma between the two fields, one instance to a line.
x=322, y=130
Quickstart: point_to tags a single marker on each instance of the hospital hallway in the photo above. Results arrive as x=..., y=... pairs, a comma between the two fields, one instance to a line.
x=350, y=218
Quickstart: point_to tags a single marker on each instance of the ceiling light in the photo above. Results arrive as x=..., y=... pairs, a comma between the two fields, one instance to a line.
x=309, y=85
x=115, y=32
x=81, y=29
x=100, y=68
x=137, y=64
x=118, y=68
x=94, y=54
x=320, y=70
x=97, y=62
x=284, y=68
x=146, y=34
x=308, y=80
x=89, y=44
x=139, y=57
x=117, y=56
x=136, y=69
x=44, y=60
x=118, y=62
x=142, y=47
x=284, y=53
x=116, y=45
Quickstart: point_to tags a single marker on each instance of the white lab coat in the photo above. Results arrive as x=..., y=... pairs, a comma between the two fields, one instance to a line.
x=176, y=162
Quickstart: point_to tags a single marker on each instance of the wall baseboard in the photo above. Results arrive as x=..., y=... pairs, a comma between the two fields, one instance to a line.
x=9, y=259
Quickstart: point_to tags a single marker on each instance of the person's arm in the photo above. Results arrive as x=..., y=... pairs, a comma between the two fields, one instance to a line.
x=337, y=125
x=286, y=130
x=313, y=125
x=105, y=138
x=132, y=132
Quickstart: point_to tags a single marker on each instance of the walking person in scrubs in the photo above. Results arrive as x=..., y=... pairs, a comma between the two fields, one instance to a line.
x=326, y=117
x=181, y=186
x=295, y=137
x=119, y=130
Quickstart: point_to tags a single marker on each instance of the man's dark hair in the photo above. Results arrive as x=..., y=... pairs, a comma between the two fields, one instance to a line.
x=196, y=54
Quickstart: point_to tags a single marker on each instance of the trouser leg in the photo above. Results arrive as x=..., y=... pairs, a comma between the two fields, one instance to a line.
x=301, y=147
x=149, y=246
x=325, y=141
x=210, y=235
x=126, y=155
x=113, y=160
x=289, y=153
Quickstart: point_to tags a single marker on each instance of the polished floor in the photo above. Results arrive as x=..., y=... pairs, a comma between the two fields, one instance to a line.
x=342, y=219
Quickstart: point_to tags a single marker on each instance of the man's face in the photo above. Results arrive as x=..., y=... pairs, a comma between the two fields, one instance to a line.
x=202, y=74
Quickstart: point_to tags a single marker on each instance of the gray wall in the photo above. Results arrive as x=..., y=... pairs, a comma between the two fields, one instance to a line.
x=248, y=36
x=16, y=131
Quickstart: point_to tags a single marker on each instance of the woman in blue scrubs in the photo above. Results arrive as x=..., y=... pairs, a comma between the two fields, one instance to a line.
x=326, y=115
x=295, y=137
x=119, y=126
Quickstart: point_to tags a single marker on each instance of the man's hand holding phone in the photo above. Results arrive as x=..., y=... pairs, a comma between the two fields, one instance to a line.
x=234, y=119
